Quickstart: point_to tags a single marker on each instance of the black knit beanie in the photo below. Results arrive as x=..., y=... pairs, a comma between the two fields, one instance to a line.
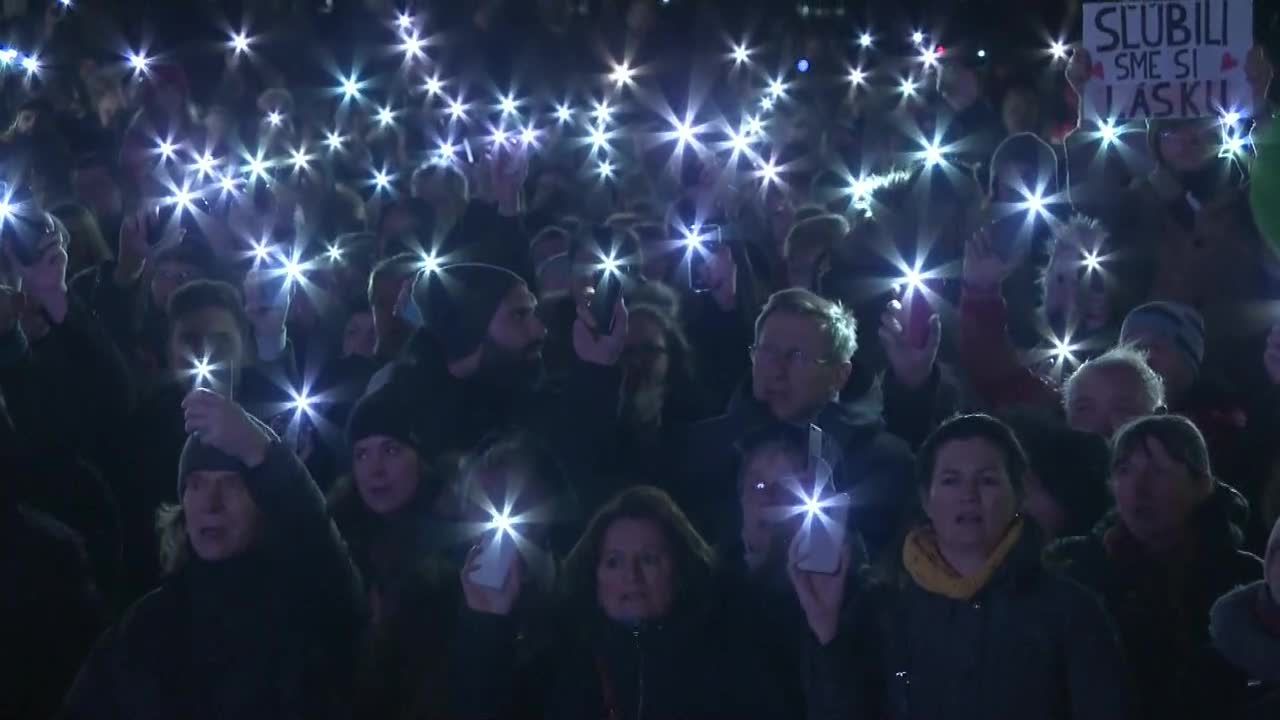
x=382, y=412
x=458, y=302
x=197, y=456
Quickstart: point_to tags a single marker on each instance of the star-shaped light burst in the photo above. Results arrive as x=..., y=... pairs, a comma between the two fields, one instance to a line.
x=8, y=56
x=857, y=76
x=499, y=136
x=1091, y=260
x=382, y=180
x=183, y=198
x=1233, y=144
x=350, y=87
x=769, y=172
x=1230, y=118
x=386, y=116
x=295, y=270
x=599, y=138
x=333, y=139
x=261, y=250
x=300, y=158
x=740, y=53
x=1108, y=131
x=229, y=184
x=623, y=75
x=274, y=118
x=334, y=252
x=602, y=112
x=413, y=47
x=138, y=61
x=605, y=169
x=205, y=164
x=404, y=20
x=239, y=42
x=257, y=167
x=930, y=56
x=917, y=37
x=31, y=64
x=167, y=149
x=866, y=39
x=433, y=85
x=563, y=113
x=202, y=369
x=430, y=263
x=909, y=87
x=528, y=136
x=457, y=109
x=1058, y=50
x=508, y=104
x=912, y=279
x=1063, y=351
x=777, y=88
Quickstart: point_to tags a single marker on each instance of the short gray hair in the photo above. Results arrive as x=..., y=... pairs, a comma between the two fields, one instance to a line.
x=836, y=323
x=1121, y=356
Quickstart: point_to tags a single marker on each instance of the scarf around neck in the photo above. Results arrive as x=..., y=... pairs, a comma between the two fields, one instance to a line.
x=930, y=570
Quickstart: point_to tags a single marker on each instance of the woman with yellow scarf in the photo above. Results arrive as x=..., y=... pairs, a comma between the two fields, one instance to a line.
x=972, y=625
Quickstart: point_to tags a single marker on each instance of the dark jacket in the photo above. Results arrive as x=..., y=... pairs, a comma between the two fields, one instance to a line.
x=574, y=418
x=49, y=610
x=268, y=634
x=691, y=667
x=874, y=466
x=1030, y=644
x=1163, y=611
x=1245, y=626
x=70, y=390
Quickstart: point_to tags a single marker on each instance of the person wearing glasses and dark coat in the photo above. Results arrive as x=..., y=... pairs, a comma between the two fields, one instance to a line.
x=801, y=362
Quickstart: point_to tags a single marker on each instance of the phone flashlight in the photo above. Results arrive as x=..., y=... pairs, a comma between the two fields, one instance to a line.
x=702, y=243
x=497, y=555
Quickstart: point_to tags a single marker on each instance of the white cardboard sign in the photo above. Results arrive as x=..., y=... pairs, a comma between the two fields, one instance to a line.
x=1167, y=59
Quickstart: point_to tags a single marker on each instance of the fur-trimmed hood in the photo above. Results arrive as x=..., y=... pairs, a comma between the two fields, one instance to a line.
x=1240, y=636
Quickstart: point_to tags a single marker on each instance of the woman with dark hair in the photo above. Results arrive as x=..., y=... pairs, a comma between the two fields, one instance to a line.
x=659, y=393
x=639, y=637
x=260, y=610
x=973, y=626
x=1171, y=548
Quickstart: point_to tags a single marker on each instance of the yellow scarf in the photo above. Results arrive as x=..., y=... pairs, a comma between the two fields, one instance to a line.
x=930, y=570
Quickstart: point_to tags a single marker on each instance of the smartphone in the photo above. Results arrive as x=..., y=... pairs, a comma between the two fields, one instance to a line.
x=492, y=565
x=608, y=290
x=700, y=253
x=822, y=538
x=917, y=311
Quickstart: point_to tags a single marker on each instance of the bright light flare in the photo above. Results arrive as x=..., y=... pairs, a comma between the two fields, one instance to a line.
x=930, y=57
x=240, y=42
x=857, y=77
x=777, y=88
x=508, y=104
x=623, y=75
x=605, y=170
x=258, y=167
x=909, y=88
x=167, y=149
x=261, y=250
x=866, y=40
x=430, y=263
x=382, y=179
x=386, y=116
x=334, y=252
x=31, y=64
x=457, y=109
x=413, y=47
x=1063, y=350
x=563, y=113
x=301, y=159
x=741, y=54
x=1058, y=50
x=913, y=280
x=434, y=86
x=334, y=140
x=917, y=37
x=138, y=62
x=274, y=118
x=404, y=20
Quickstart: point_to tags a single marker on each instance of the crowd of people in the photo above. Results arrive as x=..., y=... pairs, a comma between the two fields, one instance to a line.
x=479, y=378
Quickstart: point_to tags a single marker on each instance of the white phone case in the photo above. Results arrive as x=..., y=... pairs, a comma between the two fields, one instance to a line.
x=493, y=562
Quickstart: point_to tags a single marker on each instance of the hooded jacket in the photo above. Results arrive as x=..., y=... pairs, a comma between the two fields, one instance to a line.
x=1251, y=644
x=268, y=634
x=869, y=463
x=1029, y=644
x=1162, y=609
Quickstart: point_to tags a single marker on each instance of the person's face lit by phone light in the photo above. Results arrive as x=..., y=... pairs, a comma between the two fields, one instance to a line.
x=635, y=574
x=970, y=500
x=387, y=473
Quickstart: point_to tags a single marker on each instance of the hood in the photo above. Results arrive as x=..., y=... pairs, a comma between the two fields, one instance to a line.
x=1241, y=637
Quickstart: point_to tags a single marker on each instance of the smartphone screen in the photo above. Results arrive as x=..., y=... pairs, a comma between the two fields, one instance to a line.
x=817, y=547
x=493, y=563
x=608, y=290
x=701, y=250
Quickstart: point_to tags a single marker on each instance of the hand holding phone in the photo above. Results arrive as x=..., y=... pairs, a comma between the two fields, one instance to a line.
x=702, y=254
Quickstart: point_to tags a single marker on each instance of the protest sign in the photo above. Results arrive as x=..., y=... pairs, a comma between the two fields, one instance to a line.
x=1170, y=59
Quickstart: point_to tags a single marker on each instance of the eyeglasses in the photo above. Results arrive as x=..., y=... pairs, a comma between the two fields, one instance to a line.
x=794, y=357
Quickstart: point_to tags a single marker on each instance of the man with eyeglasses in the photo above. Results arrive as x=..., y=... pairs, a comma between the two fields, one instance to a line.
x=801, y=360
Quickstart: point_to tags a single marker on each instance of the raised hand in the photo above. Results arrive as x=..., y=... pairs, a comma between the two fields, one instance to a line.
x=487, y=600
x=912, y=364
x=821, y=597
x=589, y=344
x=225, y=426
x=984, y=268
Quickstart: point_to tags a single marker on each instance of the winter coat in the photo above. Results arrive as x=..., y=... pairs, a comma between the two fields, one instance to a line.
x=1162, y=610
x=691, y=667
x=70, y=390
x=1251, y=643
x=868, y=462
x=50, y=611
x=574, y=418
x=271, y=633
x=990, y=361
x=1029, y=644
